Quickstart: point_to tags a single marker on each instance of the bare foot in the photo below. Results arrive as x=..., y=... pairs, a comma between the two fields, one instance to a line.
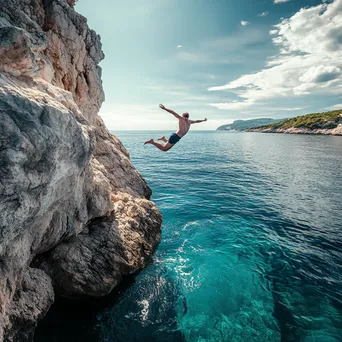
x=162, y=138
x=148, y=141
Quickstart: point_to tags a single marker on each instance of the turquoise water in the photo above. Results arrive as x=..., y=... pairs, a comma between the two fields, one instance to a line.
x=251, y=247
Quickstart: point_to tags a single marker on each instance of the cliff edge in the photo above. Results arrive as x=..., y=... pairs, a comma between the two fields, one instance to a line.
x=75, y=213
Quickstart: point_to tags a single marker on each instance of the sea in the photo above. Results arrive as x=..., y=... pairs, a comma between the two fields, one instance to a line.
x=251, y=246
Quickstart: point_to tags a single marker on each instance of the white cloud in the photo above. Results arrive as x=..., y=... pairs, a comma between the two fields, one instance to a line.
x=310, y=59
x=320, y=73
x=244, y=23
x=284, y=109
x=280, y=1
x=335, y=107
x=179, y=46
x=263, y=14
x=234, y=105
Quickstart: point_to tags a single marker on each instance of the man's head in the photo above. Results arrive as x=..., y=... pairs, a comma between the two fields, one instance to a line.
x=186, y=115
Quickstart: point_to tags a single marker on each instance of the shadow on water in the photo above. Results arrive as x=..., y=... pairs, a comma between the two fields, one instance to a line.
x=305, y=302
x=149, y=310
x=109, y=319
x=74, y=320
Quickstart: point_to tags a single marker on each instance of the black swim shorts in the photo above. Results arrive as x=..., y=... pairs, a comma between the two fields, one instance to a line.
x=174, y=138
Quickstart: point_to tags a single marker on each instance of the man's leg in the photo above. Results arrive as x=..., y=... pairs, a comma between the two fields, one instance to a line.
x=162, y=147
x=163, y=139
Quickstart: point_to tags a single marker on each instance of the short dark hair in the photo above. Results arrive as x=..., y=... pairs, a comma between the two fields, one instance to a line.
x=186, y=115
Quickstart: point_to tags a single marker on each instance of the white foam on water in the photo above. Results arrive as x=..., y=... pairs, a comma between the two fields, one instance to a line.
x=145, y=309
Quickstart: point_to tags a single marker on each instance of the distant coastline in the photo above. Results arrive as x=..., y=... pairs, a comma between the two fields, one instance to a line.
x=242, y=125
x=326, y=123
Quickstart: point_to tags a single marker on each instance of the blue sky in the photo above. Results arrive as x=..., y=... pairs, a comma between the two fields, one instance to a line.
x=220, y=59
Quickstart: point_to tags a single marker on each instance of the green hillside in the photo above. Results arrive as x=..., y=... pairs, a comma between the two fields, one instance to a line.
x=241, y=125
x=326, y=120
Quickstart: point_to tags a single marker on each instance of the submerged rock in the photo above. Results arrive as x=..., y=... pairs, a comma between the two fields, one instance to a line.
x=75, y=213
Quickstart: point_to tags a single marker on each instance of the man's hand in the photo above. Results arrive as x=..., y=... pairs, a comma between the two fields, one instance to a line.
x=170, y=111
x=205, y=119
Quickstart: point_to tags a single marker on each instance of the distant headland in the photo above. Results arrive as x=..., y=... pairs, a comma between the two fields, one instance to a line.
x=242, y=125
x=328, y=123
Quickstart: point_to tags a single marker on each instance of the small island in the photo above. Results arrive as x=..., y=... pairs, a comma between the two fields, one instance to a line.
x=328, y=123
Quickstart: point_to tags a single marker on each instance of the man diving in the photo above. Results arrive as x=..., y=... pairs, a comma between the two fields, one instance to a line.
x=184, y=126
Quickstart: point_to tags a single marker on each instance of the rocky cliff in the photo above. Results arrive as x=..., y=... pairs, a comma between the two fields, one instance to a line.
x=75, y=214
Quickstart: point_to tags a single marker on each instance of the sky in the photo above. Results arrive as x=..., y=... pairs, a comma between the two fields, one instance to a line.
x=220, y=59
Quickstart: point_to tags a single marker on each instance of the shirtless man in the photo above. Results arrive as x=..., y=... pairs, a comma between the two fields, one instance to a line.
x=184, y=126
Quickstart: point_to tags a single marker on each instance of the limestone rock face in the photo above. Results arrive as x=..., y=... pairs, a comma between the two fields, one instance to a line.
x=29, y=305
x=75, y=214
x=93, y=263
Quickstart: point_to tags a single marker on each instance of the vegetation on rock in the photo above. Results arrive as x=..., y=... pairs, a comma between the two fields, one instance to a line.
x=241, y=125
x=325, y=120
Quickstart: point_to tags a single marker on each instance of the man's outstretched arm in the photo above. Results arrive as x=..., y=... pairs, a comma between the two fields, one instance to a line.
x=198, y=121
x=170, y=111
